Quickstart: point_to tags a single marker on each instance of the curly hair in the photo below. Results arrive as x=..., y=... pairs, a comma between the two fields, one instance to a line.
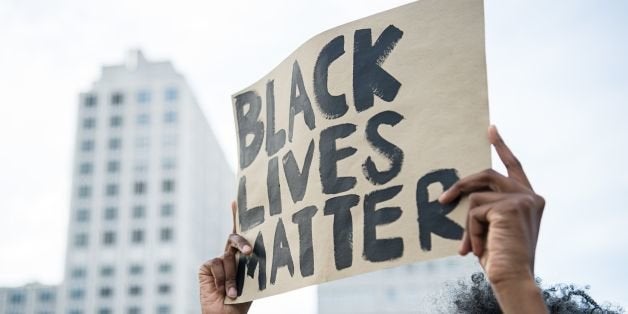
x=477, y=297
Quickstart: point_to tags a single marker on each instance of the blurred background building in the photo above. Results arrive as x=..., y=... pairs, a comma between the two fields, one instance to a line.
x=413, y=288
x=33, y=298
x=150, y=194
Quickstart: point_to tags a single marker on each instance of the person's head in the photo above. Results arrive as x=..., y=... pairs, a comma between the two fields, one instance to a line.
x=477, y=297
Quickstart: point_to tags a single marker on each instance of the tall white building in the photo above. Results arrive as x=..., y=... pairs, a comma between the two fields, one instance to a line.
x=413, y=288
x=150, y=194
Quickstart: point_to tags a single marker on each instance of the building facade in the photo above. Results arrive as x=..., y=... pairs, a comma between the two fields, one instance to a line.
x=32, y=298
x=412, y=288
x=150, y=194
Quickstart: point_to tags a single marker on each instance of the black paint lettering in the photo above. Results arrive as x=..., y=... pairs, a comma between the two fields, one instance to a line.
x=340, y=207
x=249, y=124
x=384, y=147
x=432, y=215
x=331, y=106
x=248, y=264
x=272, y=187
x=248, y=218
x=303, y=219
x=330, y=155
x=299, y=103
x=297, y=180
x=281, y=252
x=274, y=141
x=369, y=79
x=379, y=250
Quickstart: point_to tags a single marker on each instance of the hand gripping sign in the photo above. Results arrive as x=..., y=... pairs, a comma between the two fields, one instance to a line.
x=346, y=145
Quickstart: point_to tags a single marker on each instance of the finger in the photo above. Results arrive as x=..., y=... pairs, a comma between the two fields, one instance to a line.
x=236, y=242
x=234, y=208
x=205, y=277
x=230, y=274
x=218, y=273
x=480, y=198
x=476, y=199
x=513, y=166
x=478, y=228
x=488, y=179
x=465, y=245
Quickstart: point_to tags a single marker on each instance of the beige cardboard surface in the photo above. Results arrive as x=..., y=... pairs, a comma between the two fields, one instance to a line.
x=423, y=66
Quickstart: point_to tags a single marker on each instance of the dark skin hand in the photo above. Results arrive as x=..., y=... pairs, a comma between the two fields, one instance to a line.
x=217, y=277
x=502, y=229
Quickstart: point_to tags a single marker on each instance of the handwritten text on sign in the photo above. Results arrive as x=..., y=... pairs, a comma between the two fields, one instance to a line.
x=345, y=146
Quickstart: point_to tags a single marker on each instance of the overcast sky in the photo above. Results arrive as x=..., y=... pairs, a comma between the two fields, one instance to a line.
x=558, y=91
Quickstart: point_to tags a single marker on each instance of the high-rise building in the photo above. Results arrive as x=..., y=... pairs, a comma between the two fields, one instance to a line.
x=150, y=194
x=413, y=288
x=33, y=298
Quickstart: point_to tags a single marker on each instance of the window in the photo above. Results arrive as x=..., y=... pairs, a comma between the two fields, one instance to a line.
x=113, y=166
x=111, y=213
x=139, y=211
x=76, y=294
x=163, y=309
x=78, y=272
x=46, y=296
x=115, y=121
x=117, y=98
x=136, y=269
x=89, y=123
x=134, y=310
x=85, y=168
x=170, y=117
x=165, y=268
x=82, y=215
x=139, y=188
x=141, y=142
x=104, y=310
x=140, y=166
x=109, y=238
x=90, y=100
x=163, y=289
x=135, y=290
x=143, y=97
x=167, y=210
x=171, y=94
x=84, y=191
x=115, y=143
x=111, y=189
x=167, y=186
x=169, y=140
x=143, y=119
x=107, y=271
x=87, y=145
x=17, y=298
x=80, y=240
x=168, y=163
x=137, y=236
x=106, y=292
x=165, y=234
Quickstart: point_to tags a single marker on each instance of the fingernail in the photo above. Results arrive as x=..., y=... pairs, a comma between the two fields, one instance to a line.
x=232, y=293
x=442, y=197
x=246, y=249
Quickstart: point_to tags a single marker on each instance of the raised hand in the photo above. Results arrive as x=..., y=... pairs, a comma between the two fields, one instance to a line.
x=217, y=277
x=503, y=227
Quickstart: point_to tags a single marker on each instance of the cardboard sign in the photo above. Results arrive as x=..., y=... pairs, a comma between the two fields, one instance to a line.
x=346, y=145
